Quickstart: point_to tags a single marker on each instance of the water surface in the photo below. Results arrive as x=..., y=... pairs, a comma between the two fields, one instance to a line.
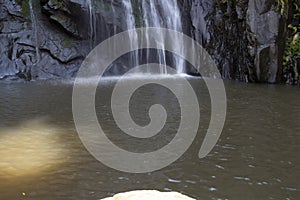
x=257, y=156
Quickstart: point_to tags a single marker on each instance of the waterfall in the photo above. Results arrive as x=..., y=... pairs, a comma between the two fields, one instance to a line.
x=146, y=13
x=172, y=17
x=131, y=24
x=164, y=14
x=152, y=18
x=92, y=23
x=113, y=11
x=35, y=31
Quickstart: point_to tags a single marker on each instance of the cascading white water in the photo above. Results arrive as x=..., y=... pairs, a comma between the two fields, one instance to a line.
x=164, y=14
x=113, y=11
x=172, y=18
x=153, y=19
x=92, y=23
x=131, y=24
x=35, y=31
x=146, y=13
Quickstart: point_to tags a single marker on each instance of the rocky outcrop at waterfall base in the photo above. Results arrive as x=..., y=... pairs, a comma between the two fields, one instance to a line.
x=245, y=37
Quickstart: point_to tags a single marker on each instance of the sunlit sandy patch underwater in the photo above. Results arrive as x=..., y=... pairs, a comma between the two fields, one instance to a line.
x=29, y=149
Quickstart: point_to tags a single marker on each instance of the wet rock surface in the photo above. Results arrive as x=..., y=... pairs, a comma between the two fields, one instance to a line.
x=243, y=37
x=53, y=52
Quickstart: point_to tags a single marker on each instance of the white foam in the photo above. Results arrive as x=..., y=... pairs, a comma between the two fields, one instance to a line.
x=129, y=77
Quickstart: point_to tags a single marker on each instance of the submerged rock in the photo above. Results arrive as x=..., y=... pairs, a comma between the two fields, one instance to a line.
x=149, y=195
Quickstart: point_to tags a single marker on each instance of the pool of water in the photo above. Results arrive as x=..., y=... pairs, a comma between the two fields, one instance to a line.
x=256, y=157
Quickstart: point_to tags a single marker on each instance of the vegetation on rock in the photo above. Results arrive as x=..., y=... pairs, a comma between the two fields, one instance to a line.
x=292, y=51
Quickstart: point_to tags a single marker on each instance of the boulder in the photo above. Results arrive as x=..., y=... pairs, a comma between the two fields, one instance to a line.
x=149, y=195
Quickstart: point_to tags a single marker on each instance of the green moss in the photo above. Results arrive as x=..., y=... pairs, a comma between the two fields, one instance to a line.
x=67, y=42
x=59, y=3
x=282, y=6
x=106, y=7
x=103, y=4
x=25, y=8
x=137, y=13
x=59, y=18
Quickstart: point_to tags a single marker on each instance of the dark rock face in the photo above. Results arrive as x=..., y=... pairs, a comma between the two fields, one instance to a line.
x=265, y=24
x=59, y=53
x=244, y=37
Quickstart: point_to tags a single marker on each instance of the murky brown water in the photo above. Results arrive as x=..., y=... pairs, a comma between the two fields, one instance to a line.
x=257, y=156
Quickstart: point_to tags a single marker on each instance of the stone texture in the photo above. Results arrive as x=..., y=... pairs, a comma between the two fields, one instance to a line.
x=244, y=37
x=60, y=51
x=264, y=24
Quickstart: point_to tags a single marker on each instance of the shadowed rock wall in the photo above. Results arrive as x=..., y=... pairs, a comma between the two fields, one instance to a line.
x=244, y=37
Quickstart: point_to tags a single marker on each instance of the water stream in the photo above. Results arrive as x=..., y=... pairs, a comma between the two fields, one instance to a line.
x=164, y=15
x=131, y=24
x=152, y=13
x=35, y=30
x=92, y=22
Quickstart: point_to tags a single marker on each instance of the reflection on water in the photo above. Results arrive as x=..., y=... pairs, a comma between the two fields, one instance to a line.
x=29, y=149
x=257, y=156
